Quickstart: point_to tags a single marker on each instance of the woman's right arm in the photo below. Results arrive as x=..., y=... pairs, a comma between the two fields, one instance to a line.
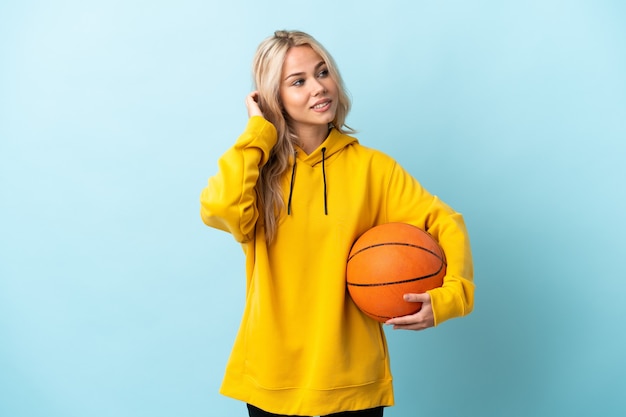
x=229, y=201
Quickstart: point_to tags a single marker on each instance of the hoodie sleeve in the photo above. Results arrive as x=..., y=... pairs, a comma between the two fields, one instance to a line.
x=229, y=201
x=409, y=202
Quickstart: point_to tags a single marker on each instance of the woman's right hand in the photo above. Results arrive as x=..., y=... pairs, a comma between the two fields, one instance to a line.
x=252, y=103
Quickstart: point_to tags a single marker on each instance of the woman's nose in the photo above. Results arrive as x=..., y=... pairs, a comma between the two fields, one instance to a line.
x=318, y=88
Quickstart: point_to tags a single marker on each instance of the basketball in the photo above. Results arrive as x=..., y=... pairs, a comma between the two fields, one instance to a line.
x=388, y=261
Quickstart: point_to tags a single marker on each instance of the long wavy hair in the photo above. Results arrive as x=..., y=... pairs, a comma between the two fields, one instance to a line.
x=267, y=69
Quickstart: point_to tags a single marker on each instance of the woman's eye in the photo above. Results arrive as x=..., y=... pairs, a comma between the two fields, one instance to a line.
x=298, y=82
x=323, y=73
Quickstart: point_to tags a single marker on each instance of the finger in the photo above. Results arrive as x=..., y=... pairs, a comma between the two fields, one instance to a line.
x=408, y=323
x=253, y=105
x=417, y=298
x=415, y=326
x=405, y=320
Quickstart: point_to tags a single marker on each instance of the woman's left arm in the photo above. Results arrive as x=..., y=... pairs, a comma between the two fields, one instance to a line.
x=409, y=202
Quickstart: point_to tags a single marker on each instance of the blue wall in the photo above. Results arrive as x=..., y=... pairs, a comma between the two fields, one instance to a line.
x=115, y=300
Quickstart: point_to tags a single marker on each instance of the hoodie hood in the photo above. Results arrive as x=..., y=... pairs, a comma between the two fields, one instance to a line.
x=324, y=154
x=334, y=143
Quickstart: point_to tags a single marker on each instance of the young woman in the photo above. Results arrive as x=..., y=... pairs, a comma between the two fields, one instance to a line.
x=296, y=191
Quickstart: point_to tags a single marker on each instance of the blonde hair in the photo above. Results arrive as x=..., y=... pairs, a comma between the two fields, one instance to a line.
x=267, y=70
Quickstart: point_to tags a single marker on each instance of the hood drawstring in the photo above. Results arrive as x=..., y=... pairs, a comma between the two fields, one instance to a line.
x=324, y=175
x=293, y=177
x=293, y=180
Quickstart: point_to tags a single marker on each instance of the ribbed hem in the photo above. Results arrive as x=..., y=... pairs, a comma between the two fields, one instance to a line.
x=310, y=402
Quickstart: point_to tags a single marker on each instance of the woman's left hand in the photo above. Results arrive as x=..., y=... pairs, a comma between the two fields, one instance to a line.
x=421, y=320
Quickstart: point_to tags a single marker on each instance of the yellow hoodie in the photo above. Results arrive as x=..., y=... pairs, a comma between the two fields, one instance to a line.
x=303, y=347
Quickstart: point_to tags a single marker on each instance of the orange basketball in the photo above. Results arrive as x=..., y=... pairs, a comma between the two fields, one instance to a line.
x=389, y=261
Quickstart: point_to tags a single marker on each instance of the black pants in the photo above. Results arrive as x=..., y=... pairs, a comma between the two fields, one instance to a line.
x=372, y=412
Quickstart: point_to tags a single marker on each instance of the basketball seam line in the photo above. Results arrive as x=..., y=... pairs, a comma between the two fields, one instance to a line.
x=397, y=244
x=404, y=281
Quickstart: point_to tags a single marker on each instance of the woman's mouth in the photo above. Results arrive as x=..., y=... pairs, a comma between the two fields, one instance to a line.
x=322, y=105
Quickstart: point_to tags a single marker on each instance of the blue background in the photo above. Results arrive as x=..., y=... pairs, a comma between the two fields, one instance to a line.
x=115, y=299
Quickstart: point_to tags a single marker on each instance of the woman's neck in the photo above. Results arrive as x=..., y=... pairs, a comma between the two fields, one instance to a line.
x=311, y=137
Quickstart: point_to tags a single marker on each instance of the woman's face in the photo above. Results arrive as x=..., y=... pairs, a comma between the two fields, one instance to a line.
x=309, y=95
